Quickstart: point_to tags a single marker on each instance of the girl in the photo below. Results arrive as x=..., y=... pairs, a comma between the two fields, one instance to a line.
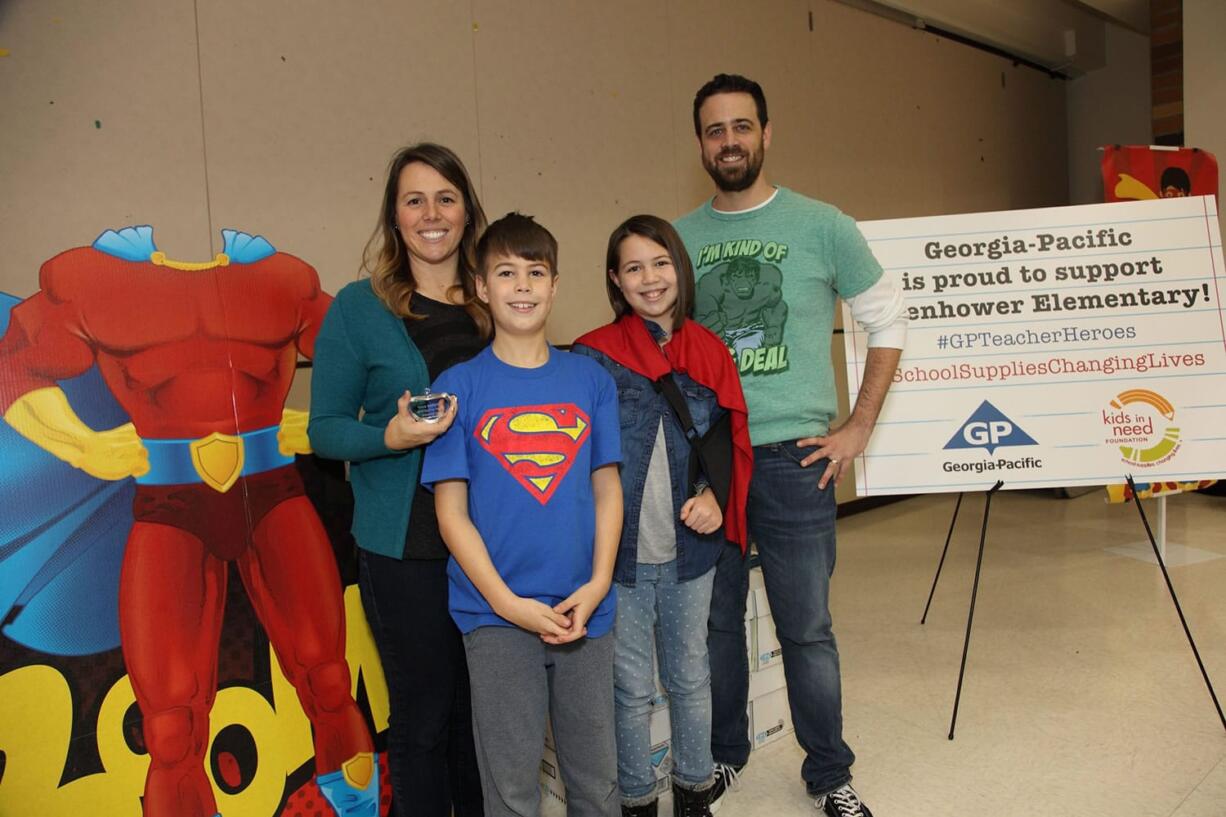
x=674, y=528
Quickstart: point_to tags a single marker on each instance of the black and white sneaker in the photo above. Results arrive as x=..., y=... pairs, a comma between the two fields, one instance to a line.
x=727, y=778
x=842, y=802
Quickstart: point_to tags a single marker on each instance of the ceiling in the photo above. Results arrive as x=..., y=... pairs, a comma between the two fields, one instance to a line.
x=1068, y=36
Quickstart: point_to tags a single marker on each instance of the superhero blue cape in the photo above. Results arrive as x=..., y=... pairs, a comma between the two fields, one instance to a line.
x=62, y=533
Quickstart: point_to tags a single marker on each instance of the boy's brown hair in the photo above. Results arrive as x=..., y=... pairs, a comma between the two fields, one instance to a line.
x=520, y=236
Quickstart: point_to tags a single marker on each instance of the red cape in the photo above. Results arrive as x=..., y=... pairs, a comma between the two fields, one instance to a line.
x=697, y=352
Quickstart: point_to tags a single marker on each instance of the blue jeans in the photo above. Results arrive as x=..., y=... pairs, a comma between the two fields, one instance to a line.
x=660, y=615
x=792, y=523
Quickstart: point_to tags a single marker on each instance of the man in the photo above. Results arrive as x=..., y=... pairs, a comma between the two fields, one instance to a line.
x=775, y=262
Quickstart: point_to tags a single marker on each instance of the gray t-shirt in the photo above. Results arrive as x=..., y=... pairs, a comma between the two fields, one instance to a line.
x=657, y=529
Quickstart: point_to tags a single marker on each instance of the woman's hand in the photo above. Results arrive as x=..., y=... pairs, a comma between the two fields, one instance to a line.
x=701, y=513
x=406, y=431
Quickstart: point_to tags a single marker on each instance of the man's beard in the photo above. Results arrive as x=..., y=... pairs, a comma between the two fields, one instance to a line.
x=734, y=180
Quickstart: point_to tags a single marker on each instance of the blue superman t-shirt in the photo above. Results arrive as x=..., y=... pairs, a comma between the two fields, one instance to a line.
x=527, y=441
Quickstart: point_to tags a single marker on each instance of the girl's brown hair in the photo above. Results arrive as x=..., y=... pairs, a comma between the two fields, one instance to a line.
x=656, y=229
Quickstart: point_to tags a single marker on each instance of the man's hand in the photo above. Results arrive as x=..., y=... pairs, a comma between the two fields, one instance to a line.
x=848, y=441
x=579, y=606
x=841, y=445
x=701, y=513
x=406, y=431
x=292, y=433
x=535, y=617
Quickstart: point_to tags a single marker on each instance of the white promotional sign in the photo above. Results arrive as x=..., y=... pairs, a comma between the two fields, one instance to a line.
x=1052, y=347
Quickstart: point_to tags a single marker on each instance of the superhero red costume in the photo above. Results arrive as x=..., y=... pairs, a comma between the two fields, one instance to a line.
x=202, y=354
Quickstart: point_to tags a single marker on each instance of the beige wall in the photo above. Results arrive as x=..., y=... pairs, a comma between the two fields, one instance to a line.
x=277, y=118
x=1204, y=81
x=1108, y=106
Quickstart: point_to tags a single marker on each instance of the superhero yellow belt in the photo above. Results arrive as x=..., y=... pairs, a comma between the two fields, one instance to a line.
x=217, y=460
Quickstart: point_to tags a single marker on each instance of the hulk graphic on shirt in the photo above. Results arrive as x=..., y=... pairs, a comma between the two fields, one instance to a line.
x=742, y=302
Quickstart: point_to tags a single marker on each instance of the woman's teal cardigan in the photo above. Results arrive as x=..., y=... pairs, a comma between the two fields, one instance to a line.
x=364, y=362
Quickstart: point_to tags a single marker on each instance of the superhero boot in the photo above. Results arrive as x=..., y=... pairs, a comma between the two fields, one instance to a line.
x=353, y=789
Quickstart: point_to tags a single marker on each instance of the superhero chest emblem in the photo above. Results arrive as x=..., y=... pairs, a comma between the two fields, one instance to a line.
x=537, y=445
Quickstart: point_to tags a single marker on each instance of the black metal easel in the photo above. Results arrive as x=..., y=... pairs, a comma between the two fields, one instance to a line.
x=1170, y=588
x=970, y=618
x=941, y=564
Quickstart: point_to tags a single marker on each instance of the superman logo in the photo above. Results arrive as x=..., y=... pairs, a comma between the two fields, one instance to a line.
x=536, y=444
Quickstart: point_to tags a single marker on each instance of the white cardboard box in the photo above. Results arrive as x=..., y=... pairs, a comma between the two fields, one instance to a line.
x=763, y=645
x=766, y=681
x=770, y=718
x=767, y=651
x=661, y=744
x=553, y=792
x=756, y=604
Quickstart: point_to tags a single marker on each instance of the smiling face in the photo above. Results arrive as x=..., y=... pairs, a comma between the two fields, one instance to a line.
x=647, y=279
x=519, y=292
x=732, y=142
x=430, y=215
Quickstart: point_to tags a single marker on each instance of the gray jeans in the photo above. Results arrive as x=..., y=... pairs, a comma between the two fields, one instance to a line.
x=517, y=680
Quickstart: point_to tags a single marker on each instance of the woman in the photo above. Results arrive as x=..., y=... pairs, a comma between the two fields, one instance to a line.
x=385, y=339
x=674, y=528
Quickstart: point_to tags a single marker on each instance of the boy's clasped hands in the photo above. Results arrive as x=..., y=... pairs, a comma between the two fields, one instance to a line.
x=566, y=621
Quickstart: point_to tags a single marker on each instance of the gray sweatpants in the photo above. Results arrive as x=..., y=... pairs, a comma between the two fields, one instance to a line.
x=516, y=680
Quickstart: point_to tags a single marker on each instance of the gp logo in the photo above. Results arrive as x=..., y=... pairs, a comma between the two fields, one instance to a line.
x=990, y=429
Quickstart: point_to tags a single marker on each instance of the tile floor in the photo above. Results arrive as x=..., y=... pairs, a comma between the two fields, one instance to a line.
x=1082, y=696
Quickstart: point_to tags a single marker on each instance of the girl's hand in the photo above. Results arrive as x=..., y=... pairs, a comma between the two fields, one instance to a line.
x=406, y=431
x=701, y=513
x=535, y=617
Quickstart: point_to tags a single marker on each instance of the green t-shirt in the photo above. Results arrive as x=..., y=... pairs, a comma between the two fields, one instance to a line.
x=767, y=281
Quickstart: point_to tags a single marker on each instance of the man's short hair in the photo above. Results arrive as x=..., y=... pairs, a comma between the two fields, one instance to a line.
x=520, y=236
x=730, y=84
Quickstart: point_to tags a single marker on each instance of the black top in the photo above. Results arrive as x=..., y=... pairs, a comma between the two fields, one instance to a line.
x=447, y=335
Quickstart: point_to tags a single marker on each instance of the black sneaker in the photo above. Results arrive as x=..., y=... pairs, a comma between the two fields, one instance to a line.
x=691, y=802
x=645, y=810
x=727, y=778
x=842, y=802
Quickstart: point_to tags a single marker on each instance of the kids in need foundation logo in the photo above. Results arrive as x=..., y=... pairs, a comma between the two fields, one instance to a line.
x=1142, y=424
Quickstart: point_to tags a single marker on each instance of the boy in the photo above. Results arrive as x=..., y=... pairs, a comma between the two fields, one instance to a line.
x=529, y=503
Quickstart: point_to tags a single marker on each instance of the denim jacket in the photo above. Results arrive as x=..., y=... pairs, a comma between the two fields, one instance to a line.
x=641, y=408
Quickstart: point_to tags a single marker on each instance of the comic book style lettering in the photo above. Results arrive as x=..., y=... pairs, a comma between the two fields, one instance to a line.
x=535, y=444
x=742, y=301
x=198, y=357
